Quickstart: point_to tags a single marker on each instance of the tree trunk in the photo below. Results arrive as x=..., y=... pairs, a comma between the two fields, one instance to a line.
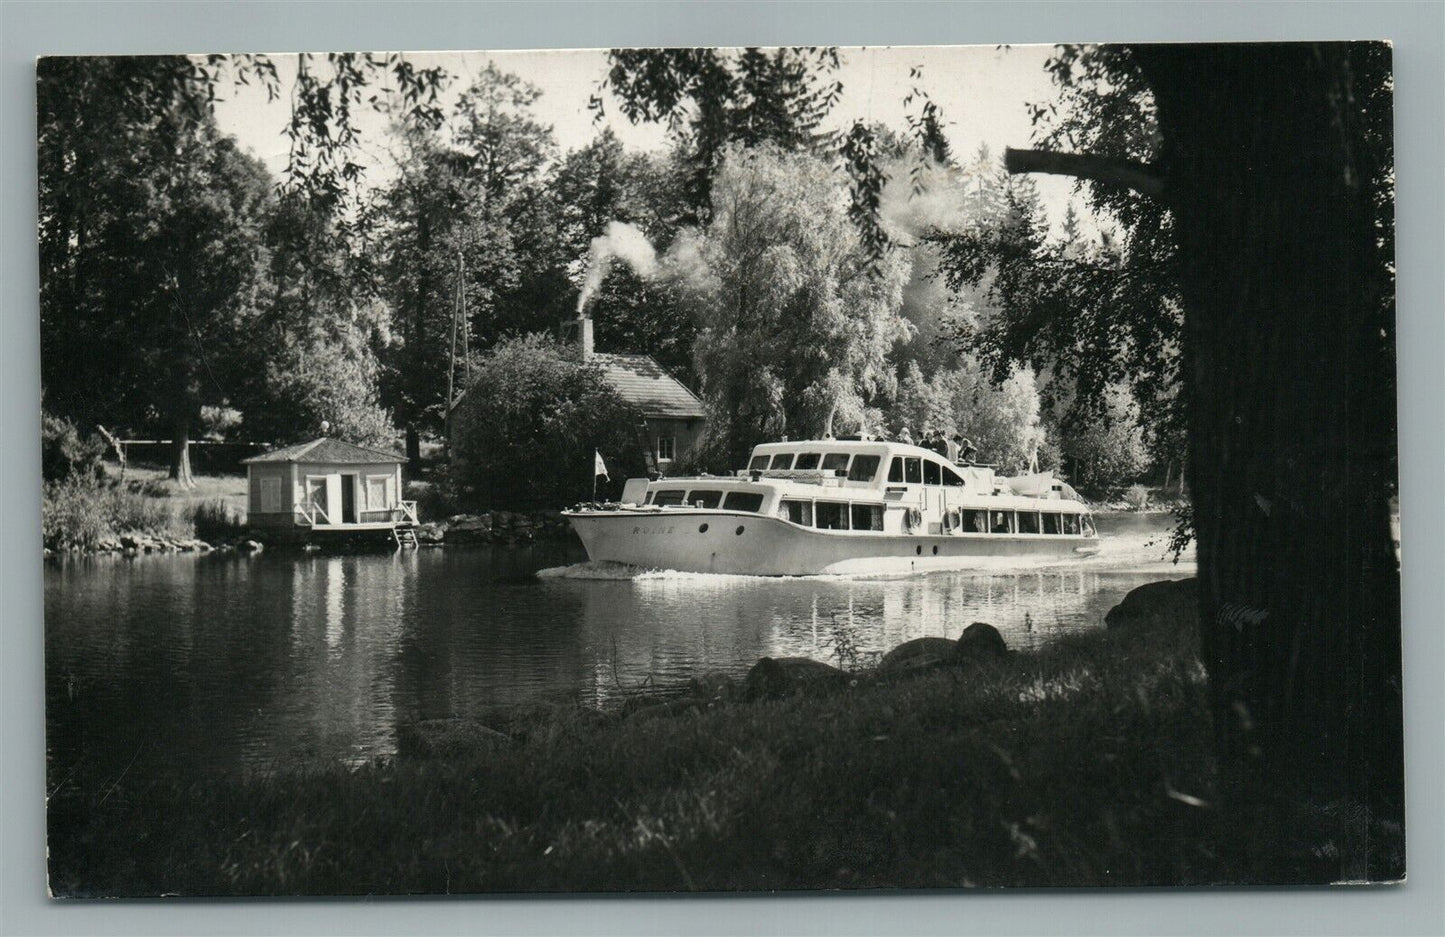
x=1289, y=370
x=413, y=448
x=181, y=451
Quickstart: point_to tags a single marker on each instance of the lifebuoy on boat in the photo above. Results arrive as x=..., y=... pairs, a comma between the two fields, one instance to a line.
x=952, y=520
x=913, y=519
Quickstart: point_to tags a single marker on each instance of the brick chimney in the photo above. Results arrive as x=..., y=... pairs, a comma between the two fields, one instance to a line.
x=579, y=330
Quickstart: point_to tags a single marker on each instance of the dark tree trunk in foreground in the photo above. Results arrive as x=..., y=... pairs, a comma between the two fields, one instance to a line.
x=1290, y=374
x=181, y=451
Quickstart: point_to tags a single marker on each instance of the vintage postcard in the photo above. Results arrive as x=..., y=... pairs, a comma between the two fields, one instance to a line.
x=718, y=469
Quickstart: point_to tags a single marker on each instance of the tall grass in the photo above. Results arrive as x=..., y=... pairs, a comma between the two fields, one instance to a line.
x=216, y=520
x=82, y=511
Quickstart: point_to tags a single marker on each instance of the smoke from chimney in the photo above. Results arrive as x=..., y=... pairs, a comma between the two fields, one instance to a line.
x=620, y=241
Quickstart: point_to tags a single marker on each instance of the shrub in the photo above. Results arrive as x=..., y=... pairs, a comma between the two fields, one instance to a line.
x=83, y=510
x=217, y=520
x=63, y=452
x=1137, y=497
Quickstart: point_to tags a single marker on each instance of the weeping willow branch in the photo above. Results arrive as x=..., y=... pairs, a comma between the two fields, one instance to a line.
x=1140, y=177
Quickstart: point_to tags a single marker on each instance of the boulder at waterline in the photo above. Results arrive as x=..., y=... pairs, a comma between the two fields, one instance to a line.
x=979, y=641
x=778, y=677
x=439, y=738
x=1169, y=603
x=918, y=655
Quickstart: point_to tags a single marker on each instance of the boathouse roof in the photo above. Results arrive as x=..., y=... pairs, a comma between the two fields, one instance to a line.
x=642, y=382
x=327, y=450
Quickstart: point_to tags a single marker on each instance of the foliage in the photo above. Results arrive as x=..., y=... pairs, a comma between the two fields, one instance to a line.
x=1137, y=497
x=64, y=453
x=794, y=320
x=1106, y=448
x=1001, y=420
x=215, y=520
x=524, y=434
x=82, y=510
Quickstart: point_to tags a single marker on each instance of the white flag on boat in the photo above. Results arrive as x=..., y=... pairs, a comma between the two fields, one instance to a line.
x=598, y=466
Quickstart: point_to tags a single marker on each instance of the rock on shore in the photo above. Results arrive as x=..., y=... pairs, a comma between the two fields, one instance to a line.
x=1157, y=604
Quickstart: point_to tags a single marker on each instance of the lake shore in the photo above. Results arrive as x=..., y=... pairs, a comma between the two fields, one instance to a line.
x=1084, y=763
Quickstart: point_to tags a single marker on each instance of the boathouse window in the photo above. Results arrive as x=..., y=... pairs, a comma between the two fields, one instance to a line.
x=831, y=515
x=895, y=469
x=1001, y=522
x=376, y=499
x=864, y=467
x=931, y=474
x=668, y=497
x=952, y=478
x=744, y=501
x=704, y=499
x=867, y=517
x=799, y=512
x=1028, y=522
x=1051, y=523
x=834, y=461
x=808, y=460
x=271, y=495
x=783, y=460
x=1071, y=523
x=974, y=521
x=759, y=463
x=666, y=448
x=913, y=471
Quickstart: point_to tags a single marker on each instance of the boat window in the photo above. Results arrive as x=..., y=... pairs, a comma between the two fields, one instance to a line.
x=1028, y=522
x=783, y=460
x=1071, y=523
x=808, y=460
x=704, y=499
x=950, y=477
x=931, y=475
x=974, y=522
x=895, y=470
x=1088, y=526
x=1001, y=522
x=1051, y=523
x=744, y=501
x=668, y=496
x=648, y=499
x=867, y=517
x=759, y=463
x=913, y=471
x=799, y=512
x=864, y=467
x=835, y=460
x=831, y=515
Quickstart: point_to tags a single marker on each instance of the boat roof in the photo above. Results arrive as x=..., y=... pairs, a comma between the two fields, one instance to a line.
x=868, y=446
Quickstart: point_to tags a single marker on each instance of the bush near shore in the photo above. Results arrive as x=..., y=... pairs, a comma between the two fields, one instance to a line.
x=1087, y=763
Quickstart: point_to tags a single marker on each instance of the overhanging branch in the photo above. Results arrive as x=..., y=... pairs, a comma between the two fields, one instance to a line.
x=1140, y=177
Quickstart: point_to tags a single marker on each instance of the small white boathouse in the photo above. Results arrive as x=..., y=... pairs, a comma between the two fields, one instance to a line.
x=327, y=485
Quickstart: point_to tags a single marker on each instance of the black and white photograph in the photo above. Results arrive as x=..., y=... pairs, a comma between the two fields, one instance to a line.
x=720, y=469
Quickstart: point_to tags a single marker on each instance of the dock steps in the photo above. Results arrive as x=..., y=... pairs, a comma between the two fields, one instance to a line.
x=405, y=536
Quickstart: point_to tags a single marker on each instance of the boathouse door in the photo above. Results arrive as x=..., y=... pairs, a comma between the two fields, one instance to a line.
x=348, y=499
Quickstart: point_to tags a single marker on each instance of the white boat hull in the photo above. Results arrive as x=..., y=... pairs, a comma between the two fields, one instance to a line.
x=714, y=541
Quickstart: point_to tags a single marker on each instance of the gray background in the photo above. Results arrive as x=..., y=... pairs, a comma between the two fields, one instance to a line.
x=1418, y=31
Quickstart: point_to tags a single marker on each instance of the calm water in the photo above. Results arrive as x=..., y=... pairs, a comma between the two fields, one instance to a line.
x=227, y=663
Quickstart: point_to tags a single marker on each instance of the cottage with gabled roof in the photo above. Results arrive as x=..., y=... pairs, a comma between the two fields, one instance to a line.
x=327, y=485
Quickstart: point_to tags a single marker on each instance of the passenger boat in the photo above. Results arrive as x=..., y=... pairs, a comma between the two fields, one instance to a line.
x=839, y=506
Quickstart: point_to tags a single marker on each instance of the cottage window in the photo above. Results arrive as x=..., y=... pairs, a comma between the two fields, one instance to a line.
x=863, y=469
x=666, y=448
x=808, y=460
x=867, y=517
x=831, y=515
x=751, y=501
x=668, y=497
x=799, y=512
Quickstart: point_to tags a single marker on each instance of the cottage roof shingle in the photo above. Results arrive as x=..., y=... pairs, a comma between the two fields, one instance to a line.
x=326, y=450
x=643, y=383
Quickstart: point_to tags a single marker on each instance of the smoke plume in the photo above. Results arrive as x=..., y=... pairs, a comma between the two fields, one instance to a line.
x=620, y=241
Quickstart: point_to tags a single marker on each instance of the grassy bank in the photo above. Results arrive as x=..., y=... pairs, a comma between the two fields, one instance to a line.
x=1086, y=764
x=87, y=513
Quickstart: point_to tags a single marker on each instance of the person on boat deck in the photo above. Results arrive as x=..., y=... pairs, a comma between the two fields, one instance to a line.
x=967, y=450
x=905, y=437
x=938, y=443
x=951, y=448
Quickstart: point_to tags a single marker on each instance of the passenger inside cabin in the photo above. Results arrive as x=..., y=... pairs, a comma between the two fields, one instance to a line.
x=1000, y=522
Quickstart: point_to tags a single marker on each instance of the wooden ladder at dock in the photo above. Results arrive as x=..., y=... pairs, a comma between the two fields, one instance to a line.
x=405, y=535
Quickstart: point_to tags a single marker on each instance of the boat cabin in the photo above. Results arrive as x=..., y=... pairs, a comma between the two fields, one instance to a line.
x=327, y=485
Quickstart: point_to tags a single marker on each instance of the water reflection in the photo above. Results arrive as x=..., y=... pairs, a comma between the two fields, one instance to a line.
x=233, y=663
